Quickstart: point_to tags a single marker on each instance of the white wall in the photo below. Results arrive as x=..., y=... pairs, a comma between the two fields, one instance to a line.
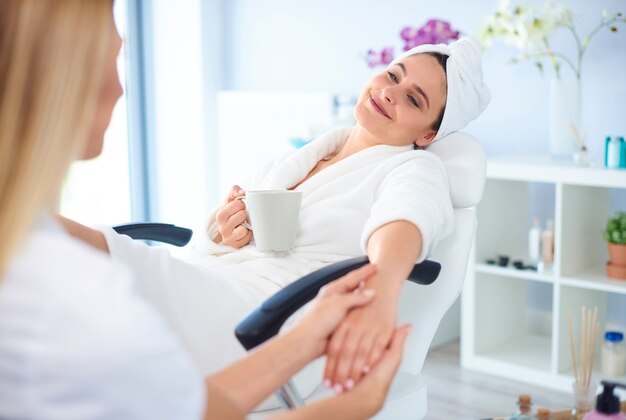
x=317, y=46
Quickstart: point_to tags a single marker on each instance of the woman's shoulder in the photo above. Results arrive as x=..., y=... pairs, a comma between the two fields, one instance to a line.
x=59, y=266
x=73, y=322
x=68, y=293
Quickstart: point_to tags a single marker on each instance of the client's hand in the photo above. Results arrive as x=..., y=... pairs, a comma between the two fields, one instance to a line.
x=359, y=342
x=332, y=304
x=229, y=219
x=373, y=389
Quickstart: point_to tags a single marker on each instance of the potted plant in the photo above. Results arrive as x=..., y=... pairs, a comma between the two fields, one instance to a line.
x=615, y=235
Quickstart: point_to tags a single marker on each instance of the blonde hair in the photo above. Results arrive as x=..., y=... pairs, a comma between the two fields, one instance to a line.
x=51, y=58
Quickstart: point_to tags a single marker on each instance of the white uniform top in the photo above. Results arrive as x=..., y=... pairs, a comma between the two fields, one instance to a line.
x=77, y=341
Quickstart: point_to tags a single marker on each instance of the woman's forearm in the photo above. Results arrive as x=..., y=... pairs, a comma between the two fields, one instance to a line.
x=394, y=249
x=249, y=381
x=344, y=406
x=92, y=237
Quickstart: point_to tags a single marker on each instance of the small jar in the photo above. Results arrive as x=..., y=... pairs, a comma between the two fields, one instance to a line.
x=525, y=407
x=543, y=414
x=613, y=357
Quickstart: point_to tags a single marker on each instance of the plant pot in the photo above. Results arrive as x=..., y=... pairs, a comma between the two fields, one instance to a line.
x=615, y=271
x=617, y=254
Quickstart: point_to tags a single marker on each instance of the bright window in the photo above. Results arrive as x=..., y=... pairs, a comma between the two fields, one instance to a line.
x=98, y=190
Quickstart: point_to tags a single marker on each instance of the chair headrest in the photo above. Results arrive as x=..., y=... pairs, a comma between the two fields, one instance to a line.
x=466, y=164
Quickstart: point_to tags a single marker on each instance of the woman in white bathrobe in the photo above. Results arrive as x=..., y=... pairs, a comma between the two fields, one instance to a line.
x=370, y=189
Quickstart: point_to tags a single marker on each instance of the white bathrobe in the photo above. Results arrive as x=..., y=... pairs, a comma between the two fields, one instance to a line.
x=343, y=205
x=204, y=298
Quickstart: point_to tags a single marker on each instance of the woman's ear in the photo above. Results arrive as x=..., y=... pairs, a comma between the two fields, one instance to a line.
x=426, y=139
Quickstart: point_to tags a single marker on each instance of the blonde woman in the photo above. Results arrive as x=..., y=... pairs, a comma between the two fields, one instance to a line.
x=76, y=338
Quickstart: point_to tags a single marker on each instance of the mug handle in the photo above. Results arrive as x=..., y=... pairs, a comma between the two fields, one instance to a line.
x=245, y=222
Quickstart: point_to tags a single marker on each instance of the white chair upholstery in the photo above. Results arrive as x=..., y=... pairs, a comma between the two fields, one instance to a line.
x=425, y=306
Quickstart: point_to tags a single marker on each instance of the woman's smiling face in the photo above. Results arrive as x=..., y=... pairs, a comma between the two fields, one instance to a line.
x=400, y=105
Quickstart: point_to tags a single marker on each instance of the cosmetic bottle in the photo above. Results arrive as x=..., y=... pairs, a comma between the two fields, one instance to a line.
x=543, y=414
x=612, y=149
x=534, y=242
x=524, y=410
x=547, y=244
x=622, y=154
x=613, y=354
x=607, y=404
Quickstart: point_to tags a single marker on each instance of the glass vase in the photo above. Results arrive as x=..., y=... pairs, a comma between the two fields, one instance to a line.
x=564, y=116
x=584, y=399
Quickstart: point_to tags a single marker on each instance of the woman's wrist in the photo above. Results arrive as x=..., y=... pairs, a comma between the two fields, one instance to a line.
x=387, y=286
x=306, y=342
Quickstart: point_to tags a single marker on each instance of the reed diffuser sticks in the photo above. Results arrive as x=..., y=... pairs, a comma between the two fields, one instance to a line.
x=588, y=342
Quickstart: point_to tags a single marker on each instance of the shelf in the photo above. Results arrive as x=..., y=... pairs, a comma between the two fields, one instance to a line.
x=530, y=350
x=595, y=279
x=545, y=277
x=515, y=321
x=542, y=169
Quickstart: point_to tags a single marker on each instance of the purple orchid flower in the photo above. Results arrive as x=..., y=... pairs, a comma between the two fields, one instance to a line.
x=434, y=31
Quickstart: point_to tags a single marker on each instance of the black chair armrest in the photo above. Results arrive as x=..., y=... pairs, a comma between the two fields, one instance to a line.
x=265, y=322
x=160, y=232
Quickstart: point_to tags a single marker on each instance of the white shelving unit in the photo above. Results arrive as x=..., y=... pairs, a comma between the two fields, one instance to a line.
x=504, y=331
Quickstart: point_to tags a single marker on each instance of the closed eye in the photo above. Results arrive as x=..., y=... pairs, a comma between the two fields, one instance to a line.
x=413, y=101
x=393, y=77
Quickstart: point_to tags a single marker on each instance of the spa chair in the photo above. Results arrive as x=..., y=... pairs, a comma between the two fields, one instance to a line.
x=423, y=301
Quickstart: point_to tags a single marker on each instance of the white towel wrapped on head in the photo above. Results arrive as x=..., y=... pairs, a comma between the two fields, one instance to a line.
x=468, y=95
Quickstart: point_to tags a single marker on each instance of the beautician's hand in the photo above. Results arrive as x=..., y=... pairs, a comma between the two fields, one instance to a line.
x=332, y=304
x=368, y=397
x=374, y=387
x=359, y=342
x=230, y=218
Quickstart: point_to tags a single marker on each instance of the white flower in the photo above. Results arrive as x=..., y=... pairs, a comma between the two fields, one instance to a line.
x=558, y=14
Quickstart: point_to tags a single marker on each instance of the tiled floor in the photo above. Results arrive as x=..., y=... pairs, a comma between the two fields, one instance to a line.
x=455, y=393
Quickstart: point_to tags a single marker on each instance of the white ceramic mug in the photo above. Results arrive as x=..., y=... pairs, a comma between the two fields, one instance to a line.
x=273, y=216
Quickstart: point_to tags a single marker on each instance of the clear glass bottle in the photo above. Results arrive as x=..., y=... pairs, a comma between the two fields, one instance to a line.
x=613, y=356
x=584, y=399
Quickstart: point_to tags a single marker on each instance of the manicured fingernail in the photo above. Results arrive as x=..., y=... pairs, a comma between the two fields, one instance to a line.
x=349, y=384
x=366, y=369
x=327, y=383
x=369, y=292
x=338, y=388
